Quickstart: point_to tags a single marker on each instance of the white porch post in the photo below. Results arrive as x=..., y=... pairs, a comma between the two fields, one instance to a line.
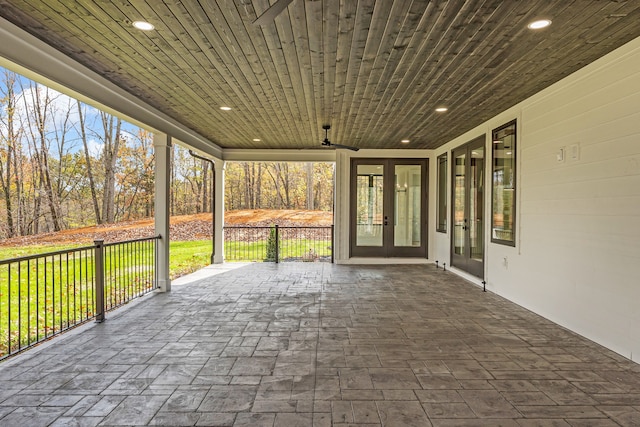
x=162, y=148
x=218, y=256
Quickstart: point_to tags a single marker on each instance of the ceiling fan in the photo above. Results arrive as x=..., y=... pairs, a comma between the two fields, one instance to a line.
x=271, y=13
x=328, y=143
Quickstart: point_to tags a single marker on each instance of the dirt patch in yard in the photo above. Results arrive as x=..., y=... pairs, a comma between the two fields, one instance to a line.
x=183, y=227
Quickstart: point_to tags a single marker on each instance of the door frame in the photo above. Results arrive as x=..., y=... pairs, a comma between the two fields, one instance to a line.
x=388, y=250
x=466, y=263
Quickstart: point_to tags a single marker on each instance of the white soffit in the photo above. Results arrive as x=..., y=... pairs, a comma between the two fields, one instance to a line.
x=31, y=57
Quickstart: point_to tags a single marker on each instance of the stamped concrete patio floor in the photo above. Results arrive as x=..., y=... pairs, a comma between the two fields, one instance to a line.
x=312, y=344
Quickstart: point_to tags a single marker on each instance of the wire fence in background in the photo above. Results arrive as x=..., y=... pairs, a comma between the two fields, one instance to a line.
x=278, y=244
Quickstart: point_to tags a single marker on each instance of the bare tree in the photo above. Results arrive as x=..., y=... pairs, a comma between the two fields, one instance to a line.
x=37, y=114
x=8, y=150
x=111, y=139
x=87, y=157
x=309, y=174
x=252, y=184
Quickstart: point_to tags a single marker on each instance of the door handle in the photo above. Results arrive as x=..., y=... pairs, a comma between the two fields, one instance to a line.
x=385, y=221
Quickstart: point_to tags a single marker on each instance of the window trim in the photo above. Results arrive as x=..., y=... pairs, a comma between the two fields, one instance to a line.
x=511, y=242
x=442, y=196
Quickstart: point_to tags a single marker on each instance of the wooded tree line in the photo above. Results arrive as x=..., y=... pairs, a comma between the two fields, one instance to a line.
x=282, y=185
x=64, y=164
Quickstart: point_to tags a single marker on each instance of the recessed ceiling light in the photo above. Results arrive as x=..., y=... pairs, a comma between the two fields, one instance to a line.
x=405, y=141
x=442, y=109
x=143, y=25
x=256, y=140
x=225, y=108
x=539, y=24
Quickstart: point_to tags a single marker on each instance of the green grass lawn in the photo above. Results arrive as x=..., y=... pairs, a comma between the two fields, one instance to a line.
x=186, y=256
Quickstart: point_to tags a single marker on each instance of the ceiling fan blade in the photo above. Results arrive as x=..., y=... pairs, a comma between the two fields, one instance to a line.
x=270, y=14
x=348, y=147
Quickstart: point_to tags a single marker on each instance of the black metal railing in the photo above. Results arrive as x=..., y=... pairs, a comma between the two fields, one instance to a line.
x=278, y=244
x=43, y=295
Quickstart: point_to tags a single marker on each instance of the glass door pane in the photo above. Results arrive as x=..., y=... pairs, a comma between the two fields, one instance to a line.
x=388, y=208
x=459, y=204
x=476, y=203
x=407, y=206
x=369, y=205
x=467, y=243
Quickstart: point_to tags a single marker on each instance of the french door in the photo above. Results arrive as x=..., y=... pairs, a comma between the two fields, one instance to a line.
x=388, y=207
x=467, y=242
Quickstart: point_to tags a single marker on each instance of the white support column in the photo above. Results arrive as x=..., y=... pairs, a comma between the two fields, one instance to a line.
x=341, y=207
x=162, y=148
x=218, y=256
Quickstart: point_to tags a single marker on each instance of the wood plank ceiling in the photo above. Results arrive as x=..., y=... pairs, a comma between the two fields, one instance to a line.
x=374, y=70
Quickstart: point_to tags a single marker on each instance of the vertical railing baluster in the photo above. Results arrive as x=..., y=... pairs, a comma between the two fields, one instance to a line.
x=28, y=302
x=155, y=263
x=332, y=242
x=46, y=309
x=83, y=282
x=60, y=313
x=127, y=254
x=122, y=289
x=83, y=257
x=1, y=311
x=19, y=305
x=277, y=246
x=9, y=310
x=99, y=280
x=53, y=295
x=130, y=267
x=151, y=267
x=115, y=280
x=37, y=300
x=67, y=288
x=75, y=305
x=90, y=272
x=114, y=253
x=139, y=277
x=145, y=270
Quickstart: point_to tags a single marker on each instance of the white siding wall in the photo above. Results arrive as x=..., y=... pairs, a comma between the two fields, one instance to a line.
x=577, y=259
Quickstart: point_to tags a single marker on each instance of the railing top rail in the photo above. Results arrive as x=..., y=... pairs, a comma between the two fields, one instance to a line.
x=44, y=255
x=279, y=226
x=140, y=239
x=70, y=250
